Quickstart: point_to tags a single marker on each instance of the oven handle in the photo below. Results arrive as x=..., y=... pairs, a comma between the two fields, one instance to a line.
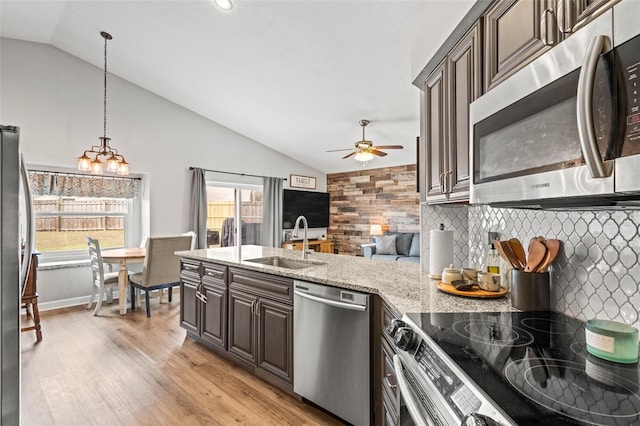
x=412, y=407
x=584, y=109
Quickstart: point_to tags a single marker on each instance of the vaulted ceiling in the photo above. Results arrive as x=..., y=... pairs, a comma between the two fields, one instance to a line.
x=296, y=76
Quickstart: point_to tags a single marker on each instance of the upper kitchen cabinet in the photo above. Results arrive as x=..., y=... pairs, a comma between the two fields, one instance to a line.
x=448, y=91
x=516, y=32
x=574, y=14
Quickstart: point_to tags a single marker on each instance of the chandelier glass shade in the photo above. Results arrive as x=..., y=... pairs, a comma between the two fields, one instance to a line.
x=92, y=160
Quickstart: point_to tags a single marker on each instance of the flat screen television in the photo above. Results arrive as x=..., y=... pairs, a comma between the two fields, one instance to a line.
x=314, y=206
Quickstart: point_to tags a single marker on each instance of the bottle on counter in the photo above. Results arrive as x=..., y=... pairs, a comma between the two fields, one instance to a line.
x=493, y=260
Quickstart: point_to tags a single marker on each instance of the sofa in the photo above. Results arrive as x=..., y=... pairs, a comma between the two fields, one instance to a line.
x=398, y=246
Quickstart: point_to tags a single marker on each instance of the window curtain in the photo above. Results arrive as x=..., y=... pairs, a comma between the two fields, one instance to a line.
x=199, y=207
x=271, y=211
x=77, y=185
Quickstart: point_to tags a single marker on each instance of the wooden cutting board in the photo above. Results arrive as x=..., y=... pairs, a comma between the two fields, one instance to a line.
x=474, y=292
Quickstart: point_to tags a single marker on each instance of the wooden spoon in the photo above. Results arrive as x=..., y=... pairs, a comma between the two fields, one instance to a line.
x=553, y=247
x=497, y=244
x=518, y=250
x=508, y=253
x=537, y=251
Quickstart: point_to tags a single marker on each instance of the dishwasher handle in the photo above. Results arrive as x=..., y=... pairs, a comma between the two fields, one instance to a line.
x=329, y=302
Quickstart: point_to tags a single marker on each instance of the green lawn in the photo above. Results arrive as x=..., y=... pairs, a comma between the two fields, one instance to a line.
x=76, y=240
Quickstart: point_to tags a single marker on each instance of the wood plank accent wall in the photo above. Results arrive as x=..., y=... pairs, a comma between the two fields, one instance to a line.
x=387, y=196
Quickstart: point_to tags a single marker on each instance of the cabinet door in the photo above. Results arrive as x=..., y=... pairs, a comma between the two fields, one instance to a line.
x=435, y=133
x=575, y=14
x=189, y=306
x=464, y=86
x=275, y=338
x=242, y=328
x=214, y=315
x=515, y=35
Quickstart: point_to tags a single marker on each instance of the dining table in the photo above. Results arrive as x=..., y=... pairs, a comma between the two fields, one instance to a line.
x=123, y=257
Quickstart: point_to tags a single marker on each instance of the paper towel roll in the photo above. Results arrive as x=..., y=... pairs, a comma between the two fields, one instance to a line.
x=440, y=252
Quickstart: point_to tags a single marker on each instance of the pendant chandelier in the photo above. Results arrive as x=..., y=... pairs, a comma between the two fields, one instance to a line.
x=115, y=162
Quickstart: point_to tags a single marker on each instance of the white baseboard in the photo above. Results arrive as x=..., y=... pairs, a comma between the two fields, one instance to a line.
x=74, y=301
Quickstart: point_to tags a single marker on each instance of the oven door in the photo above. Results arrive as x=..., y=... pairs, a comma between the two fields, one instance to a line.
x=530, y=138
x=410, y=412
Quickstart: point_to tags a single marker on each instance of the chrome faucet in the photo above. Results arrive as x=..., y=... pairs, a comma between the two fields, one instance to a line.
x=305, y=242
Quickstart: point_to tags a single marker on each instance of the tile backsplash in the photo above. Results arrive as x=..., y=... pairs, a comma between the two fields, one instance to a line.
x=597, y=272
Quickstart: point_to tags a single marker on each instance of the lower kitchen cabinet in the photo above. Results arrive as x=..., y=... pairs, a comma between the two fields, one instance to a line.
x=243, y=315
x=260, y=328
x=242, y=330
x=203, y=302
x=275, y=338
x=386, y=387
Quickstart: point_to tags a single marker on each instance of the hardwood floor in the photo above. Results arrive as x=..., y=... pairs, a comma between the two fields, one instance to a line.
x=134, y=370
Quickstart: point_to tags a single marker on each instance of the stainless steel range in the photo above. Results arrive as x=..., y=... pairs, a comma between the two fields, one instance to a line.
x=508, y=368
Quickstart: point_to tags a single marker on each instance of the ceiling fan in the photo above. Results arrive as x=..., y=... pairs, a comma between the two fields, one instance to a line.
x=364, y=149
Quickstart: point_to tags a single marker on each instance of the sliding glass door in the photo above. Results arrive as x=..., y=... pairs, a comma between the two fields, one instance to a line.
x=230, y=204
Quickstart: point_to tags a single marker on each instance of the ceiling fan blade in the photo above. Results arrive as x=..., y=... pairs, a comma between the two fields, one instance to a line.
x=388, y=147
x=350, y=155
x=336, y=150
x=378, y=153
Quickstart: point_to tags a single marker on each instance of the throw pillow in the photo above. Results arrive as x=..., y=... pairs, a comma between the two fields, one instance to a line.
x=403, y=243
x=415, y=246
x=386, y=244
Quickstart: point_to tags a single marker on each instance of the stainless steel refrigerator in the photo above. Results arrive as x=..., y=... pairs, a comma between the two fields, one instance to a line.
x=15, y=214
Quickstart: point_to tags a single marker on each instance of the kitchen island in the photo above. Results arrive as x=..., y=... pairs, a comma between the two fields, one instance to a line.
x=238, y=304
x=401, y=285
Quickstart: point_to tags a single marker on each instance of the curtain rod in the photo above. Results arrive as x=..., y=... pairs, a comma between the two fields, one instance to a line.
x=50, y=172
x=239, y=174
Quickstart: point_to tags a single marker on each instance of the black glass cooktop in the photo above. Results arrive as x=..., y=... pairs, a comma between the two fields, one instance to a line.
x=535, y=366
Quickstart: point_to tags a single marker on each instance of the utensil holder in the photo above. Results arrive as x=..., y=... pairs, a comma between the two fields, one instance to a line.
x=530, y=291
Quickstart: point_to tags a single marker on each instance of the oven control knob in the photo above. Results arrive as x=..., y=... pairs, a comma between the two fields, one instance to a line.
x=477, y=419
x=406, y=339
x=394, y=325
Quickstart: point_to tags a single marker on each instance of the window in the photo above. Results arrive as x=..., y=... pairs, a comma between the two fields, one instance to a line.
x=68, y=207
x=222, y=211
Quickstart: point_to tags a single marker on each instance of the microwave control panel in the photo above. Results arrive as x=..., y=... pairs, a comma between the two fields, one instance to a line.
x=629, y=60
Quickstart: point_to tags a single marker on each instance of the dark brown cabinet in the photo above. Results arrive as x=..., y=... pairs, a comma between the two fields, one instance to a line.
x=261, y=322
x=448, y=91
x=203, y=301
x=516, y=32
x=244, y=315
x=386, y=395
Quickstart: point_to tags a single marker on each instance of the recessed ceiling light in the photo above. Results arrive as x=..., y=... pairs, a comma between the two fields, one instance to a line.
x=224, y=4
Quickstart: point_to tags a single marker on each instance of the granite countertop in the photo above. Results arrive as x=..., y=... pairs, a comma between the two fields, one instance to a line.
x=401, y=285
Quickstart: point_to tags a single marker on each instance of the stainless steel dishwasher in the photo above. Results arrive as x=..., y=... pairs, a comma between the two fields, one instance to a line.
x=331, y=358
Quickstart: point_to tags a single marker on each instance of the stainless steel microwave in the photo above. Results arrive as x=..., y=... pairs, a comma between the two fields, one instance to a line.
x=564, y=132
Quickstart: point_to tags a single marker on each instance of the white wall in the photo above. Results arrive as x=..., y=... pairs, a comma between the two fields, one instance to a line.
x=434, y=25
x=56, y=100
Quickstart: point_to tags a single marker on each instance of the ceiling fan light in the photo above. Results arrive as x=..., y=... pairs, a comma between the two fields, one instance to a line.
x=364, y=156
x=224, y=4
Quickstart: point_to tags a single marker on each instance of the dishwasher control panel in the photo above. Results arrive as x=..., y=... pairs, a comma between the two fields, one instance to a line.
x=349, y=297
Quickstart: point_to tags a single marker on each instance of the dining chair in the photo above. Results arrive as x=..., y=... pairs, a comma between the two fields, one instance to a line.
x=102, y=281
x=161, y=267
x=192, y=234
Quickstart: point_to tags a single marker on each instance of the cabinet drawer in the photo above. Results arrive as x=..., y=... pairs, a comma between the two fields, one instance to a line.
x=190, y=269
x=390, y=416
x=271, y=286
x=389, y=382
x=214, y=274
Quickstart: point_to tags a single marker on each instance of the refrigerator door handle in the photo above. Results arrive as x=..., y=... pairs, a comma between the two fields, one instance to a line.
x=26, y=256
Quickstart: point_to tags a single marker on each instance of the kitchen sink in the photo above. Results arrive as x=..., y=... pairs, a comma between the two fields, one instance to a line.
x=285, y=262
